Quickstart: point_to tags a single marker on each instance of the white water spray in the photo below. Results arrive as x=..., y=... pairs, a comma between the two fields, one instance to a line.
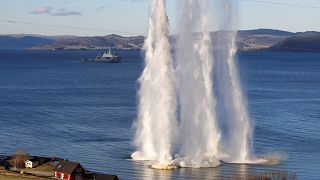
x=157, y=102
x=199, y=135
x=197, y=141
x=240, y=131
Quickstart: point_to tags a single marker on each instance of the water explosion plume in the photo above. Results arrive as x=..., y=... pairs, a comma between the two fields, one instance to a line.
x=157, y=103
x=202, y=76
x=240, y=131
x=199, y=134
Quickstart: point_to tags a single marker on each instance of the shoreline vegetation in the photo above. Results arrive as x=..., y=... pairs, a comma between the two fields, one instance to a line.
x=247, y=40
x=258, y=176
x=15, y=169
x=22, y=165
x=7, y=175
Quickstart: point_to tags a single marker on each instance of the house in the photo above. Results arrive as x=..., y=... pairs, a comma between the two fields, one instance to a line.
x=42, y=160
x=4, y=165
x=69, y=171
x=36, y=161
x=32, y=163
x=4, y=162
x=98, y=176
x=105, y=177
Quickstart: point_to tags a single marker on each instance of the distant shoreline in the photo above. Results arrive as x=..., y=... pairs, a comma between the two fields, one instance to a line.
x=239, y=51
x=247, y=40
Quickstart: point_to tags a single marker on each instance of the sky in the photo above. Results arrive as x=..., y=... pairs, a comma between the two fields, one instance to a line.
x=129, y=17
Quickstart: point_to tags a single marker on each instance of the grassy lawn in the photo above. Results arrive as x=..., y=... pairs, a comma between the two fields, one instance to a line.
x=46, y=167
x=3, y=177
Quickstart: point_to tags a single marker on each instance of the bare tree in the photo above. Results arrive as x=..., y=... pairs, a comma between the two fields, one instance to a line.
x=18, y=160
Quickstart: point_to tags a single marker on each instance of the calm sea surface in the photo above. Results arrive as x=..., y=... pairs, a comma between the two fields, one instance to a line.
x=52, y=104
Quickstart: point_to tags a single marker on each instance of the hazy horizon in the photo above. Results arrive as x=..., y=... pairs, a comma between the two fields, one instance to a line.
x=126, y=35
x=129, y=17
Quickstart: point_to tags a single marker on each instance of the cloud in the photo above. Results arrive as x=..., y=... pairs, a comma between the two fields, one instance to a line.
x=101, y=9
x=49, y=10
x=64, y=12
x=42, y=10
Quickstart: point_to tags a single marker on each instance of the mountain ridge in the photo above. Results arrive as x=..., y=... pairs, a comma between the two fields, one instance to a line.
x=247, y=40
x=8, y=42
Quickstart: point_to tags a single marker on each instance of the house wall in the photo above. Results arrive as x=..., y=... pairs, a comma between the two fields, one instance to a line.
x=78, y=176
x=60, y=175
x=67, y=177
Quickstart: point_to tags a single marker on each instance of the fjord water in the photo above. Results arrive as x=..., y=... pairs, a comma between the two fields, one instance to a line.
x=52, y=104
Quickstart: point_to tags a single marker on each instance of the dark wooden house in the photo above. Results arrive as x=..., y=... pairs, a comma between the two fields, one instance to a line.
x=105, y=177
x=4, y=162
x=4, y=165
x=69, y=171
x=36, y=161
x=42, y=160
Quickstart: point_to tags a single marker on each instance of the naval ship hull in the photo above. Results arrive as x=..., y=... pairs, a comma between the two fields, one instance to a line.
x=103, y=60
